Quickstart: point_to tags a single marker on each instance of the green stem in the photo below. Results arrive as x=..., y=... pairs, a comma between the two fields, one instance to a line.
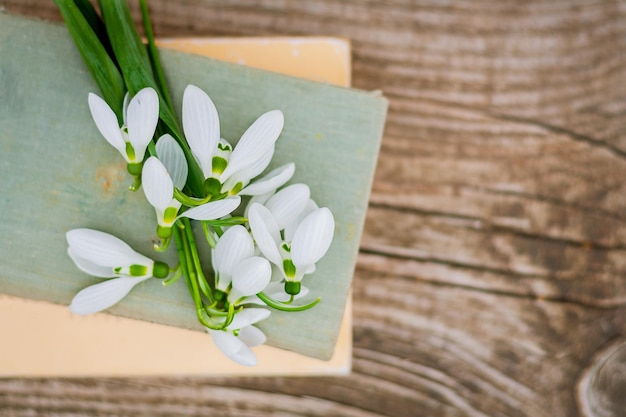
x=285, y=307
x=229, y=317
x=202, y=282
x=182, y=256
x=208, y=235
x=184, y=252
x=178, y=272
x=190, y=201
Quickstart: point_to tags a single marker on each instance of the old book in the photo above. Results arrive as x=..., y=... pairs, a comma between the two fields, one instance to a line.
x=59, y=174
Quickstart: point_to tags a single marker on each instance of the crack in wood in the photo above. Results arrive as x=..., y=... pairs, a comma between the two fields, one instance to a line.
x=621, y=154
x=487, y=225
x=562, y=299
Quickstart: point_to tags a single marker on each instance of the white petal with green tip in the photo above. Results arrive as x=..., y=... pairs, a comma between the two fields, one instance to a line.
x=91, y=268
x=141, y=118
x=201, y=125
x=107, y=123
x=103, y=249
x=245, y=174
x=103, y=295
x=213, y=210
x=157, y=184
x=255, y=141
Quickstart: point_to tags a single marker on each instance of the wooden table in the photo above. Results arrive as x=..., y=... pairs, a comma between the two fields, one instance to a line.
x=491, y=279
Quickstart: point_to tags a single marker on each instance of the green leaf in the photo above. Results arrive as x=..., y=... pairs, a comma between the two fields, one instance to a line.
x=153, y=54
x=102, y=68
x=97, y=25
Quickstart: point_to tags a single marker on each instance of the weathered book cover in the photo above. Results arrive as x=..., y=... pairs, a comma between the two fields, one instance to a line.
x=58, y=174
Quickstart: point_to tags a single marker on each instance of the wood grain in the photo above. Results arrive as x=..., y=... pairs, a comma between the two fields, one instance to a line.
x=490, y=280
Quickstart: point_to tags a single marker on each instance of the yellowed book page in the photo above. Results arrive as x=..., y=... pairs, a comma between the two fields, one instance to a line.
x=42, y=339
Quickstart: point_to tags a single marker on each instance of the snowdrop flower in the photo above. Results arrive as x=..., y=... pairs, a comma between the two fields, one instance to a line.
x=228, y=170
x=303, y=241
x=141, y=115
x=105, y=256
x=237, y=339
x=237, y=271
x=159, y=189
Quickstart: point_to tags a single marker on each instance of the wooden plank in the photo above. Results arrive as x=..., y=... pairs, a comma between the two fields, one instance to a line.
x=504, y=152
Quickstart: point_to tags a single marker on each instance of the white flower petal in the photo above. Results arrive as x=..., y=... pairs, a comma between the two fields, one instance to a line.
x=103, y=249
x=201, y=124
x=252, y=275
x=142, y=118
x=247, y=317
x=157, y=184
x=89, y=267
x=261, y=199
x=270, y=182
x=214, y=209
x=288, y=203
x=254, y=170
x=265, y=232
x=252, y=336
x=310, y=207
x=107, y=123
x=234, y=246
x=255, y=141
x=173, y=157
x=103, y=295
x=232, y=347
x=247, y=173
x=312, y=238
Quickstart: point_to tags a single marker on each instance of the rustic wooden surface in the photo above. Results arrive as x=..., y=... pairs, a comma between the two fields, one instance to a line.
x=491, y=280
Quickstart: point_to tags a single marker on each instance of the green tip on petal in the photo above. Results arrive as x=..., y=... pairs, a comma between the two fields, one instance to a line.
x=138, y=270
x=235, y=190
x=170, y=215
x=289, y=268
x=219, y=165
x=130, y=152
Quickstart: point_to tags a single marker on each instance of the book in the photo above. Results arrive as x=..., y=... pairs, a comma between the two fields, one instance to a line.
x=64, y=162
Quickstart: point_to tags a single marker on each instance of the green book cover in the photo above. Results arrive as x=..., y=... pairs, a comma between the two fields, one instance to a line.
x=58, y=173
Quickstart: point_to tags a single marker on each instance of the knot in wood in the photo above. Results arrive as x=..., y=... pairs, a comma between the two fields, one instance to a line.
x=602, y=386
